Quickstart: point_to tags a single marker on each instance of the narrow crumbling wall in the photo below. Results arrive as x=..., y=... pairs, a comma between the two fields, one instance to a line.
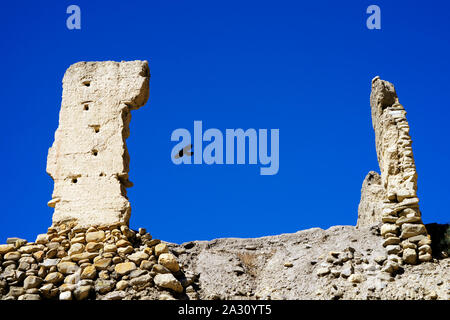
x=88, y=160
x=371, y=204
x=406, y=238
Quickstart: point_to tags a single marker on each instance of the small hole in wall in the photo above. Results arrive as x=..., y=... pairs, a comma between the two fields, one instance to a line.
x=74, y=180
x=86, y=107
x=97, y=129
x=95, y=152
x=101, y=174
x=86, y=83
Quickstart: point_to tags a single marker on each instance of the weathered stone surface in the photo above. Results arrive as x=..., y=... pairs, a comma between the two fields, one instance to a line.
x=42, y=238
x=146, y=265
x=391, y=241
x=14, y=256
x=16, y=241
x=169, y=261
x=136, y=273
x=88, y=161
x=28, y=249
x=82, y=292
x=126, y=250
x=94, y=247
x=95, y=236
x=49, y=291
x=16, y=291
x=31, y=282
x=67, y=267
x=356, y=278
x=409, y=256
x=104, y=286
x=110, y=248
x=141, y=281
x=393, y=249
x=102, y=263
x=121, y=285
x=39, y=255
x=323, y=271
x=424, y=249
x=161, y=248
x=388, y=228
x=371, y=204
x=50, y=263
x=347, y=271
x=422, y=240
x=408, y=245
x=168, y=281
x=123, y=243
x=83, y=256
x=157, y=268
x=76, y=248
x=65, y=295
x=425, y=257
x=72, y=278
x=125, y=268
x=410, y=230
x=5, y=248
x=138, y=257
x=89, y=272
x=29, y=296
x=403, y=220
x=54, y=277
x=80, y=239
x=115, y=295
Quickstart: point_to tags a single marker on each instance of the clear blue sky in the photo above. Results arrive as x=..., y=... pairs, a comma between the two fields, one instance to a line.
x=301, y=66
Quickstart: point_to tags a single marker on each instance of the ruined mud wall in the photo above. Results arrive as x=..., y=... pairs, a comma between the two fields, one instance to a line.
x=88, y=160
x=371, y=203
x=406, y=238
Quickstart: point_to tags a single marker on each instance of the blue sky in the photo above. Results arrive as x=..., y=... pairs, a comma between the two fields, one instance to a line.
x=303, y=67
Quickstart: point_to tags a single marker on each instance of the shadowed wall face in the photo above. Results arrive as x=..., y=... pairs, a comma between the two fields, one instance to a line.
x=371, y=204
x=88, y=160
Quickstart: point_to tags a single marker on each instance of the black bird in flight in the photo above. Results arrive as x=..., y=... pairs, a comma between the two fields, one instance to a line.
x=184, y=151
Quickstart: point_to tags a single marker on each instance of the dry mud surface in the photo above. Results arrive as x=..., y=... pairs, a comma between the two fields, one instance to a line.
x=286, y=266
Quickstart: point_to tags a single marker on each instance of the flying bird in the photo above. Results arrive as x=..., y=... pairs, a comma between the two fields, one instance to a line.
x=184, y=151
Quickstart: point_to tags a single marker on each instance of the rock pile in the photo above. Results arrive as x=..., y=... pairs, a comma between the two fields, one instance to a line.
x=350, y=274
x=355, y=267
x=95, y=263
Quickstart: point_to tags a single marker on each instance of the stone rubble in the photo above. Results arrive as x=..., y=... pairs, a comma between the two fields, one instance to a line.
x=85, y=264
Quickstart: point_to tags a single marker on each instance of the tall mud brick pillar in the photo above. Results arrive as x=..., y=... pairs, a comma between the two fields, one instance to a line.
x=405, y=235
x=88, y=160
